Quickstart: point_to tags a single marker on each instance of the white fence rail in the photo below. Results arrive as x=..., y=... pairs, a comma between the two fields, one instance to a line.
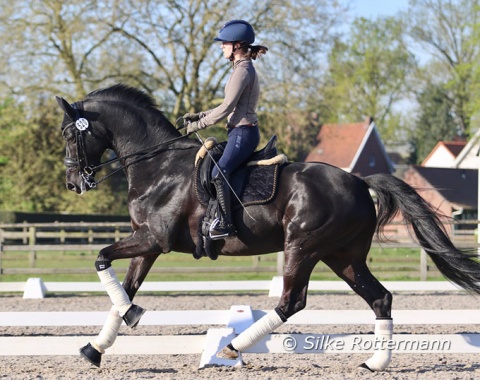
x=36, y=288
x=236, y=320
x=224, y=317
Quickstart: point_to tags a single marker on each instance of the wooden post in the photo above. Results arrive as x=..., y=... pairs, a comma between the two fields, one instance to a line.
x=280, y=262
x=62, y=238
x=25, y=238
x=90, y=238
x=255, y=262
x=1, y=257
x=31, y=242
x=423, y=265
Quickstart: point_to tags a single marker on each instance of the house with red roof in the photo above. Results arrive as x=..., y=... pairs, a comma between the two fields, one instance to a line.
x=448, y=179
x=469, y=157
x=354, y=147
x=444, y=154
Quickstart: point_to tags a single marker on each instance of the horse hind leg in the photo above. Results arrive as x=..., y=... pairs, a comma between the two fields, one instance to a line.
x=362, y=282
x=293, y=299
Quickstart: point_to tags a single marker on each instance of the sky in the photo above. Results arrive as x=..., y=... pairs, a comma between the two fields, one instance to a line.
x=375, y=8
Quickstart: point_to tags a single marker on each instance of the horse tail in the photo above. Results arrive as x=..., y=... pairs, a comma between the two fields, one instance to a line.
x=393, y=194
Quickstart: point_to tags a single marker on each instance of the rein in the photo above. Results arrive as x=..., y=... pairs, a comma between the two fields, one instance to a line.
x=87, y=171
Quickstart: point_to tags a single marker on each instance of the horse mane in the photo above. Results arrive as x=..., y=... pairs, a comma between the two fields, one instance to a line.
x=125, y=94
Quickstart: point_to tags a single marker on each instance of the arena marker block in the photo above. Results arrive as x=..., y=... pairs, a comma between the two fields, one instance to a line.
x=241, y=318
x=216, y=340
x=34, y=288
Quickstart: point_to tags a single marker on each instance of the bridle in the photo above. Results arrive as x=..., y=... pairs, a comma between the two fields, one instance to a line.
x=82, y=126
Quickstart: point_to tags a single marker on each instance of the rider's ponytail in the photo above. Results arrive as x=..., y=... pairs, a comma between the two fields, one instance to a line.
x=257, y=50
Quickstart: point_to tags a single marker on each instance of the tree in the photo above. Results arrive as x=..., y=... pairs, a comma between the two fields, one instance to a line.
x=474, y=101
x=434, y=123
x=164, y=48
x=446, y=30
x=32, y=175
x=53, y=46
x=178, y=42
x=368, y=74
x=53, y=50
x=71, y=47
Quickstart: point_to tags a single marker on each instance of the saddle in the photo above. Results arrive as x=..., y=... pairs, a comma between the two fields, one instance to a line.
x=254, y=183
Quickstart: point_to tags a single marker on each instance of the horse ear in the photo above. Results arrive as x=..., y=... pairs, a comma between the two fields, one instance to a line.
x=64, y=105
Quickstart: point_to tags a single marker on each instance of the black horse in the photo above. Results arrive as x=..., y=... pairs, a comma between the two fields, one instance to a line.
x=319, y=213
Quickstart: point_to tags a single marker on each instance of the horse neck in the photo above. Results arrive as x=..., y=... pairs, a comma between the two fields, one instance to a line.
x=151, y=133
x=130, y=131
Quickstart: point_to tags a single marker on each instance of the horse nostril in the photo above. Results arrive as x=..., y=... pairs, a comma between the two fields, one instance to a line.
x=70, y=186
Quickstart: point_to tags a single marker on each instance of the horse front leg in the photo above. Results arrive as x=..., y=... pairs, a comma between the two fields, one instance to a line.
x=139, y=243
x=136, y=274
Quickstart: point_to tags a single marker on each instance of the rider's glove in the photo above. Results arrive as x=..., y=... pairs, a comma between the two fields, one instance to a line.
x=193, y=127
x=191, y=116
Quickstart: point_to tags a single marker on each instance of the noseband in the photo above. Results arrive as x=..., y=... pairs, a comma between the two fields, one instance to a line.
x=81, y=125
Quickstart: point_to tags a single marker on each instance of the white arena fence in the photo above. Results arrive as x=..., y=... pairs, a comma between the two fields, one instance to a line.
x=35, y=288
x=233, y=322
x=236, y=320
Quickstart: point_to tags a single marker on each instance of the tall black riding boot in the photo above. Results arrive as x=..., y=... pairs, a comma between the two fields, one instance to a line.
x=222, y=227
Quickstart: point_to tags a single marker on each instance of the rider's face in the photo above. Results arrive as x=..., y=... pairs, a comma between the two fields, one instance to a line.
x=227, y=48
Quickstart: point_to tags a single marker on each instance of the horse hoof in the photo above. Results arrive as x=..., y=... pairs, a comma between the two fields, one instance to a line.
x=133, y=315
x=364, y=368
x=91, y=354
x=228, y=352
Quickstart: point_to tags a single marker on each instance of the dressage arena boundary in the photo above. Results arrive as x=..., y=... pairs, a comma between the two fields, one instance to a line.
x=35, y=288
x=236, y=320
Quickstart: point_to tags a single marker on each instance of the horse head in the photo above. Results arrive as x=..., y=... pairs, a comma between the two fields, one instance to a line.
x=123, y=119
x=84, y=148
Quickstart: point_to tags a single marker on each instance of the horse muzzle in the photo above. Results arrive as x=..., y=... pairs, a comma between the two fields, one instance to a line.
x=80, y=182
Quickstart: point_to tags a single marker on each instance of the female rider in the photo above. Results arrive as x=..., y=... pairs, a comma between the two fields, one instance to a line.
x=239, y=107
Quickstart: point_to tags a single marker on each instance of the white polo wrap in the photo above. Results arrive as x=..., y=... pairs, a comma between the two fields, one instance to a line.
x=115, y=290
x=257, y=331
x=381, y=358
x=109, y=332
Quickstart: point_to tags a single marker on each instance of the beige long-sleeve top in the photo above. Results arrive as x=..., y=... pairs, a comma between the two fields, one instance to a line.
x=241, y=98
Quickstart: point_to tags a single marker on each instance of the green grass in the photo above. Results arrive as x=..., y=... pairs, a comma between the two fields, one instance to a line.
x=385, y=263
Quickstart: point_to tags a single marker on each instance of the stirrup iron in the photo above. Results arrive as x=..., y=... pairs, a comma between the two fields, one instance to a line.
x=217, y=236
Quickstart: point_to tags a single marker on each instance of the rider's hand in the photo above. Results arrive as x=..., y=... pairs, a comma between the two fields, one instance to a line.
x=191, y=116
x=193, y=127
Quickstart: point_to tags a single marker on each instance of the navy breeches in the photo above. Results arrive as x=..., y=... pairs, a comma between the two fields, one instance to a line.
x=242, y=142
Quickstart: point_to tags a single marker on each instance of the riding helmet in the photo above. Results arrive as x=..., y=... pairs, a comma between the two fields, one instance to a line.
x=236, y=30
